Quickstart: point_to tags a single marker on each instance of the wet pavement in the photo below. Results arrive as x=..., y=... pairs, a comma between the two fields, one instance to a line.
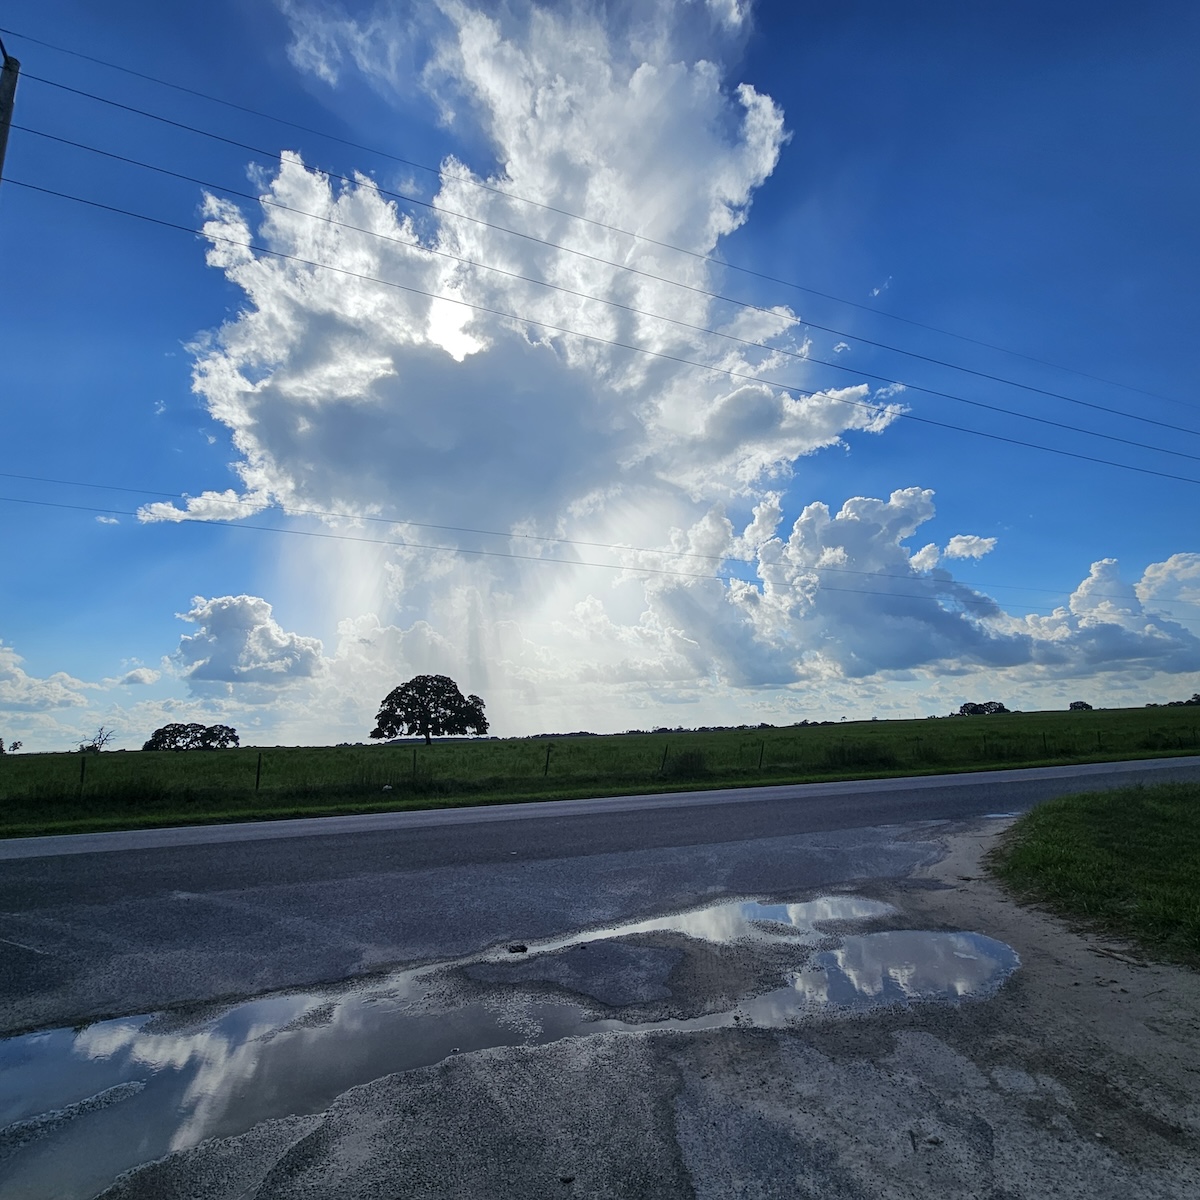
x=80, y=1106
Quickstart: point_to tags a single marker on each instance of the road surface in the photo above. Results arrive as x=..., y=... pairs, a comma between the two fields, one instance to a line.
x=653, y=1062
x=106, y=924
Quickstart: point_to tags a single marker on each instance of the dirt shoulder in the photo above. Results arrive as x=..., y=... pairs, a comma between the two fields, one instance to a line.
x=1080, y=1078
x=1083, y=992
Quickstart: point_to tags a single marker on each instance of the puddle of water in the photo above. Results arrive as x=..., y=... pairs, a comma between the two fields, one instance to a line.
x=901, y=966
x=79, y=1107
x=737, y=920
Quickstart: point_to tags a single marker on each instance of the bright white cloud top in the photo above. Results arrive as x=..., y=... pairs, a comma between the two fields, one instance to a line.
x=536, y=362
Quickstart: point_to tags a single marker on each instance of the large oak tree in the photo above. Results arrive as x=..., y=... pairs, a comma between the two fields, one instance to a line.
x=430, y=705
x=193, y=737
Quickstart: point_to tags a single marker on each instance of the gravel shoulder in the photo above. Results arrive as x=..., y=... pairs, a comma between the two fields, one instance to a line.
x=1081, y=1077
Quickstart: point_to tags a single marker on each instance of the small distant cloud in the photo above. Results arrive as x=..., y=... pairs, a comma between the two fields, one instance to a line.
x=967, y=545
x=840, y=347
x=142, y=675
x=208, y=506
x=160, y=407
x=107, y=521
x=926, y=558
x=883, y=287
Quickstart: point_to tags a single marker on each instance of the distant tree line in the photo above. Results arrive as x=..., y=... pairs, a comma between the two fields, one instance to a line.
x=13, y=747
x=1178, y=703
x=193, y=737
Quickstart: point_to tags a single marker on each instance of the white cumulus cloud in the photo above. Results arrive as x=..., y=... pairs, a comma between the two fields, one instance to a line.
x=140, y=676
x=432, y=378
x=239, y=642
x=1177, y=580
x=348, y=395
x=21, y=692
x=209, y=506
x=968, y=545
x=1106, y=627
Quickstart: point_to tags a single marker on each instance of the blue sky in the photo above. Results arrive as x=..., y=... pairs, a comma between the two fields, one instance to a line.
x=951, y=186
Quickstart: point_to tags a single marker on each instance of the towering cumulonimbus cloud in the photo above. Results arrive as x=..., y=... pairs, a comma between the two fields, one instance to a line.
x=471, y=366
x=430, y=374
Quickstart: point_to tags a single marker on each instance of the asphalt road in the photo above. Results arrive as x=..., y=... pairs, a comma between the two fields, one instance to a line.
x=102, y=925
x=595, y=826
x=1068, y=1081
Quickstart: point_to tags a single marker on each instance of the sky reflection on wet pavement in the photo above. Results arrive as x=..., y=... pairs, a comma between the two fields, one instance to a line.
x=77, y=1107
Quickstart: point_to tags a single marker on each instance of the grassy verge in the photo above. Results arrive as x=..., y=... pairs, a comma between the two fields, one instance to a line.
x=1125, y=862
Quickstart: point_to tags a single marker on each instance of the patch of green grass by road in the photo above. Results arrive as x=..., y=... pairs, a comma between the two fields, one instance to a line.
x=78, y=793
x=1125, y=862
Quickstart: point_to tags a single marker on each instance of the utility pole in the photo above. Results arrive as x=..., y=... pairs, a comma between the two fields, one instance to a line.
x=8, y=94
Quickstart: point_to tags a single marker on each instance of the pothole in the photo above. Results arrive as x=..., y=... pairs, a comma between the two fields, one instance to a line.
x=78, y=1107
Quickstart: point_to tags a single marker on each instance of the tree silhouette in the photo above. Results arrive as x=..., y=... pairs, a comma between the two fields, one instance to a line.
x=429, y=705
x=193, y=736
x=219, y=737
x=100, y=739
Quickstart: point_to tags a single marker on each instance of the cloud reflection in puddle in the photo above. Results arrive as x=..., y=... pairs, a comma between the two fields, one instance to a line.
x=739, y=920
x=294, y=1053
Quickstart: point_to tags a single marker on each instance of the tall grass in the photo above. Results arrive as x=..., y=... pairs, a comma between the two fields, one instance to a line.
x=50, y=792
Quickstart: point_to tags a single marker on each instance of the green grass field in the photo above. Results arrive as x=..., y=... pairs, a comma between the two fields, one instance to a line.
x=56, y=793
x=1126, y=862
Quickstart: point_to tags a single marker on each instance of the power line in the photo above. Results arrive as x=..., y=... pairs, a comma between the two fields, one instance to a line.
x=705, y=257
x=599, y=260
x=876, y=409
x=317, y=512
x=616, y=547
x=776, y=350
x=936, y=598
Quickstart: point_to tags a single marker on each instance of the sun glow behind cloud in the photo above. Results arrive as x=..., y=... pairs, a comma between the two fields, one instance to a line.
x=344, y=394
x=403, y=379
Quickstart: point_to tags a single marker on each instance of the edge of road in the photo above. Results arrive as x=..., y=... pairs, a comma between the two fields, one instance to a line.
x=55, y=845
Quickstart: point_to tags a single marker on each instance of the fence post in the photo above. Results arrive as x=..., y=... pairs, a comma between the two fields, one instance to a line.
x=547, y=770
x=414, y=764
x=82, y=771
x=662, y=768
x=258, y=772
x=762, y=749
